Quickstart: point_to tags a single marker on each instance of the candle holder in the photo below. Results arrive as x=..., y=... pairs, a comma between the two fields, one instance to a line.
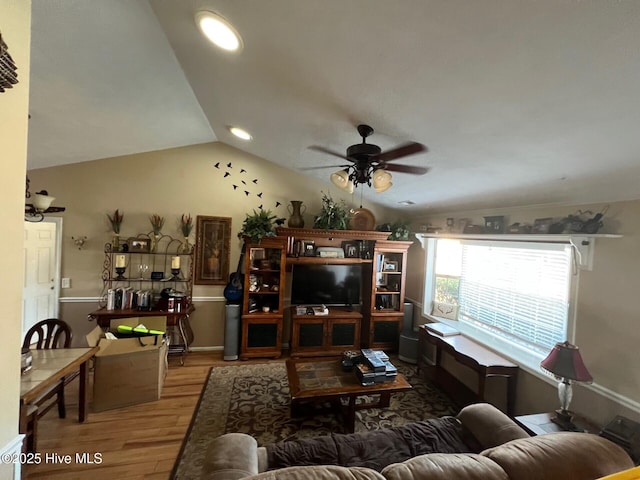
x=175, y=272
x=120, y=271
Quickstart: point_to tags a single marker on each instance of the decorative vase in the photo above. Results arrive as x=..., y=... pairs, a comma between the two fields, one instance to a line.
x=296, y=209
x=186, y=246
x=115, y=243
x=154, y=242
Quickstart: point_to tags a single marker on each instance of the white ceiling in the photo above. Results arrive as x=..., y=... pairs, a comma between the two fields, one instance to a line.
x=520, y=103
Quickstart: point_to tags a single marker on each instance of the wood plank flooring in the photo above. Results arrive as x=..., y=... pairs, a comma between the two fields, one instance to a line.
x=138, y=442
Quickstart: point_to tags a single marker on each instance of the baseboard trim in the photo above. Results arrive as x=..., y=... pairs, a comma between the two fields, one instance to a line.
x=13, y=450
x=216, y=348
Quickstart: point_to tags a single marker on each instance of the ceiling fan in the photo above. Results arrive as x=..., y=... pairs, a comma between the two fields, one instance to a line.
x=369, y=164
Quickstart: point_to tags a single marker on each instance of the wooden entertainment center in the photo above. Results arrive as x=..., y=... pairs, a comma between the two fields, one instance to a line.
x=375, y=323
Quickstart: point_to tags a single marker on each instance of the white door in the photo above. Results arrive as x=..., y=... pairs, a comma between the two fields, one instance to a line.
x=40, y=293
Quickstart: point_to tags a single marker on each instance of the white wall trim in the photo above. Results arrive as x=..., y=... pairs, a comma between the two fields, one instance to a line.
x=97, y=299
x=13, y=449
x=206, y=349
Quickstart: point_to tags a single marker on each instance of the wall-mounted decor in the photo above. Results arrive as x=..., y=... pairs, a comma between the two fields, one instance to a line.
x=541, y=225
x=213, y=239
x=8, y=73
x=139, y=245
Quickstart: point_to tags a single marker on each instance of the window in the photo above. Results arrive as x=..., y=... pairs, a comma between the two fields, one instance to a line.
x=515, y=294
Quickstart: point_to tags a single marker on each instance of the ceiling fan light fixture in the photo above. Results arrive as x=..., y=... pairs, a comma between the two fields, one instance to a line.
x=219, y=31
x=381, y=179
x=383, y=188
x=350, y=187
x=341, y=179
x=240, y=133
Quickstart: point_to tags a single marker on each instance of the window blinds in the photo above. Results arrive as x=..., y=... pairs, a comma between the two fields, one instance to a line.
x=517, y=290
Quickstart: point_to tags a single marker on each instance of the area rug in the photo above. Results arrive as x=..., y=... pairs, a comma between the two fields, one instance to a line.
x=254, y=399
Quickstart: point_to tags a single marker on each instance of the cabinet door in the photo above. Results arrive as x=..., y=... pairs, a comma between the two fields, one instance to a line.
x=344, y=334
x=308, y=335
x=261, y=337
x=385, y=333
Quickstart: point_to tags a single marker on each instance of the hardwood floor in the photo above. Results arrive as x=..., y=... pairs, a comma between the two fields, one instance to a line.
x=138, y=442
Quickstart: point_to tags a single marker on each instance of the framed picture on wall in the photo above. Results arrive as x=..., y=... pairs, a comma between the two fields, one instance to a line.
x=213, y=240
x=138, y=245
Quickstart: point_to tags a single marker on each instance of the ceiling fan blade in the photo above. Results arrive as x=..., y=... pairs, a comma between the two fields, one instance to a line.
x=325, y=166
x=402, y=151
x=392, y=167
x=328, y=152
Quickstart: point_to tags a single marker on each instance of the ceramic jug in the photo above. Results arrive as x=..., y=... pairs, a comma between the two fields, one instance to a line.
x=296, y=209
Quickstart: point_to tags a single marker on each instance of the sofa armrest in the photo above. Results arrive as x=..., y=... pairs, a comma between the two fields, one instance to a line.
x=489, y=426
x=560, y=456
x=230, y=457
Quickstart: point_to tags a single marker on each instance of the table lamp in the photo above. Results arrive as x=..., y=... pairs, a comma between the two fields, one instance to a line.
x=565, y=363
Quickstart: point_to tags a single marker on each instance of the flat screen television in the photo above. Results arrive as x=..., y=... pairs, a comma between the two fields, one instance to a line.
x=337, y=285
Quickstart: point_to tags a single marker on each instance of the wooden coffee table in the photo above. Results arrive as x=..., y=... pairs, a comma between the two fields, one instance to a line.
x=314, y=380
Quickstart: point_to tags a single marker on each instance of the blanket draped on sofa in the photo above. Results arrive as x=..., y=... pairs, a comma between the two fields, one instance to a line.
x=374, y=449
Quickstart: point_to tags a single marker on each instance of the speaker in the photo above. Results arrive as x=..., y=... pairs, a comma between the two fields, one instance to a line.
x=232, y=332
x=408, y=347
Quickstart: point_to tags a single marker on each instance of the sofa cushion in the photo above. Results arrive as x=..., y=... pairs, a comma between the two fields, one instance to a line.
x=319, y=472
x=445, y=466
x=374, y=449
x=562, y=456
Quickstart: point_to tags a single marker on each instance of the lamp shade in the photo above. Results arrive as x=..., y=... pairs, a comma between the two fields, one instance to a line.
x=42, y=202
x=341, y=179
x=565, y=361
x=381, y=178
x=384, y=188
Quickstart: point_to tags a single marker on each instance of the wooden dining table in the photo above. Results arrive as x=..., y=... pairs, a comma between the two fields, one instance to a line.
x=50, y=367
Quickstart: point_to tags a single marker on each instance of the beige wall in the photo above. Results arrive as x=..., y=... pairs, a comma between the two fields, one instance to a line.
x=169, y=183
x=15, y=22
x=607, y=313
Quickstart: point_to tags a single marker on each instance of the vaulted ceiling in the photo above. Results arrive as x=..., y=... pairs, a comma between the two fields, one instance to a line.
x=519, y=103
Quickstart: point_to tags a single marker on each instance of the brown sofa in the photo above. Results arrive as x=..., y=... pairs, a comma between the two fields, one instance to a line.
x=496, y=449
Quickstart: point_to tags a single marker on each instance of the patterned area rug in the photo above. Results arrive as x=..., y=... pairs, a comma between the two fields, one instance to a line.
x=254, y=399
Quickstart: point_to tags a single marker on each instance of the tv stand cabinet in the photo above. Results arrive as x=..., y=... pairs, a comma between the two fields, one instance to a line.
x=384, y=264
x=325, y=335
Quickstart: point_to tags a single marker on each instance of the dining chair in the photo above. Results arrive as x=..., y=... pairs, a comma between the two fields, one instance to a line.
x=45, y=335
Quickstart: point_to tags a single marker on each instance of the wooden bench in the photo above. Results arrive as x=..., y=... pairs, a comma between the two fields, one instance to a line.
x=471, y=354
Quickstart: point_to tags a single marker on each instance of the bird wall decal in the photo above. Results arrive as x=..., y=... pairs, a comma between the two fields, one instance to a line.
x=229, y=165
x=226, y=174
x=217, y=165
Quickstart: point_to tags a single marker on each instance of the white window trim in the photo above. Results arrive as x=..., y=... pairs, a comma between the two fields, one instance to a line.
x=528, y=360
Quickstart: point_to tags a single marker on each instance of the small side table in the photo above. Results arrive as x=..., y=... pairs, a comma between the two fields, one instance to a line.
x=541, y=423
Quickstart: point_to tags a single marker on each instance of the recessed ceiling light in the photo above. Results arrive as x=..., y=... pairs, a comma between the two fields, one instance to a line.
x=219, y=31
x=240, y=133
x=407, y=202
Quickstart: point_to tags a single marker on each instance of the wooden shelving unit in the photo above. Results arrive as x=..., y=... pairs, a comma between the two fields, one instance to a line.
x=263, y=298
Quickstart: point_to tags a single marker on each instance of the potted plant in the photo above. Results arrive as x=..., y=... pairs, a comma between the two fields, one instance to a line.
x=399, y=231
x=259, y=224
x=116, y=222
x=186, y=225
x=157, y=222
x=333, y=215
